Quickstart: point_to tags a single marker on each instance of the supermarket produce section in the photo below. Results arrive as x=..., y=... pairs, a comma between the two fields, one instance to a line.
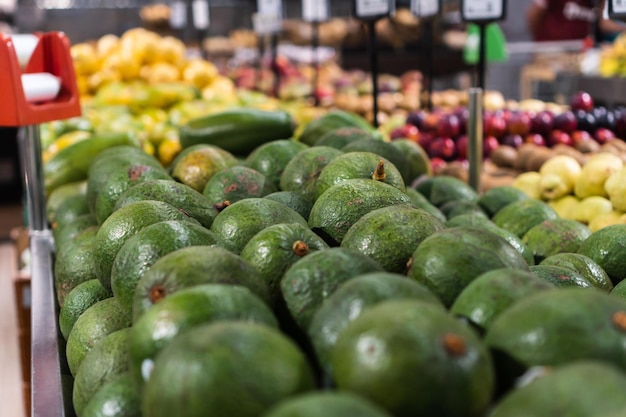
x=225, y=225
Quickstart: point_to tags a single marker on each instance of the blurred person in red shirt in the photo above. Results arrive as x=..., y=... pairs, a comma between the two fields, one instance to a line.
x=558, y=20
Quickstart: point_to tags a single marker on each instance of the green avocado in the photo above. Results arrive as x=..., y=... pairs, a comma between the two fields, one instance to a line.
x=390, y=235
x=228, y=368
x=195, y=265
x=186, y=309
x=339, y=207
x=240, y=221
x=552, y=328
x=413, y=358
x=313, y=278
x=450, y=259
x=145, y=247
x=354, y=297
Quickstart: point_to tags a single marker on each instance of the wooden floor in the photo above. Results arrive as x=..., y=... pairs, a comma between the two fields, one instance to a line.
x=11, y=395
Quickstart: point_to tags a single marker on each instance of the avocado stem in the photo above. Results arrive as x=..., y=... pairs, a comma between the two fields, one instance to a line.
x=379, y=173
x=221, y=206
x=300, y=248
x=619, y=320
x=157, y=293
x=454, y=344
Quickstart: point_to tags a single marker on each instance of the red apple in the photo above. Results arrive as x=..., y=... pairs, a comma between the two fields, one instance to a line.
x=535, y=139
x=489, y=144
x=425, y=139
x=461, y=147
x=494, y=126
x=519, y=123
x=559, y=137
x=603, y=135
x=431, y=121
x=512, y=140
x=436, y=164
x=580, y=136
x=416, y=118
x=565, y=122
x=448, y=126
x=410, y=77
x=443, y=148
x=581, y=100
x=462, y=113
x=542, y=123
x=406, y=131
x=620, y=124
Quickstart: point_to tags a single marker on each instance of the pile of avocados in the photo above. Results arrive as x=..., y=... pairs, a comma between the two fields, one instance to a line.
x=327, y=274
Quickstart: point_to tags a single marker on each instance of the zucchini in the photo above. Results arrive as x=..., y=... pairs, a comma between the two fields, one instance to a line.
x=238, y=130
x=71, y=164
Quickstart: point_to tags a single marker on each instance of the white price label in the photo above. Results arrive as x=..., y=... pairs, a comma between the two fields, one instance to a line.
x=200, y=14
x=476, y=10
x=178, y=14
x=372, y=8
x=425, y=8
x=617, y=6
x=315, y=10
x=266, y=24
x=270, y=7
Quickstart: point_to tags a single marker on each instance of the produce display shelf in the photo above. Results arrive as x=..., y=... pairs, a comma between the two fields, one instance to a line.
x=604, y=90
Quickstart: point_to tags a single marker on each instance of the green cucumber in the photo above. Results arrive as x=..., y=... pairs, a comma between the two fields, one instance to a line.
x=238, y=130
x=71, y=164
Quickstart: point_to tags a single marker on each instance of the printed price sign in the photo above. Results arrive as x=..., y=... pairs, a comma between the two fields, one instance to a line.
x=264, y=24
x=200, y=14
x=270, y=7
x=368, y=9
x=617, y=9
x=483, y=10
x=425, y=8
x=178, y=14
x=315, y=10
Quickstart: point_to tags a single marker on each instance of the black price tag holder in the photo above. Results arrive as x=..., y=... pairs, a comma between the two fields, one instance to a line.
x=178, y=17
x=201, y=23
x=268, y=22
x=315, y=12
x=427, y=10
x=481, y=13
x=617, y=9
x=369, y=12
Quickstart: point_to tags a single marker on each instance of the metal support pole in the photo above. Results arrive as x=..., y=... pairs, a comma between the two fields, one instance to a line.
x=428, y=55
x=475, y=136
x=46, y=365
x=316, y=61
x=275, y=70
x=373, y=69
